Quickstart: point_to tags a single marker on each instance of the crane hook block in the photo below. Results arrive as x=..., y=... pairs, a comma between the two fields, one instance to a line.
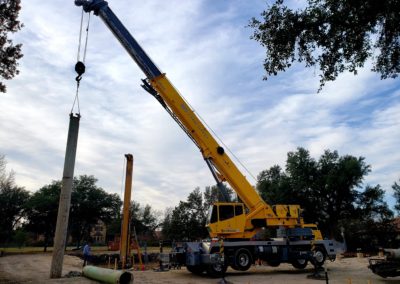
x=80, y=68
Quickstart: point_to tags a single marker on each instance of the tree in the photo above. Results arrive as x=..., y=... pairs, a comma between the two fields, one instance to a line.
x=144, y=220
x=9, y=53
x=187, y=220
x=179, y=223
x=396, y=195
x=371, y=225
x=89, y=204
x=337, y=36
x=42, y=208
x=113, y=228
x=20, y=237
x=166, y=224
x=325, y=189
x=5, y=178
x=12, y=202
x=213, y=194
x=273, y=185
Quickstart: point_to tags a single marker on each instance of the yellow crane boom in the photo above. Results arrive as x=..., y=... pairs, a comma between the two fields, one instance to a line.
x=242, y=223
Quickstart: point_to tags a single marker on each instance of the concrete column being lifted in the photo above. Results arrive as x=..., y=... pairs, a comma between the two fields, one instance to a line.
x=65, y=198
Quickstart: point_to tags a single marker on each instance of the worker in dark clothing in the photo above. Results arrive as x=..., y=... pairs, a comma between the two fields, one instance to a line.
x=86, y=253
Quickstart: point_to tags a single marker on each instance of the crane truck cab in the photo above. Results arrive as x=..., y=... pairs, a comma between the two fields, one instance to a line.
x=315, y=231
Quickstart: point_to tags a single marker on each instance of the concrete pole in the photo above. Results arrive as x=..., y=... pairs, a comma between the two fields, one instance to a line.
x=65, y=198
x=125, y=234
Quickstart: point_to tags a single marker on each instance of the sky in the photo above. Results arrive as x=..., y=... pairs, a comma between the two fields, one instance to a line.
x=205, y=49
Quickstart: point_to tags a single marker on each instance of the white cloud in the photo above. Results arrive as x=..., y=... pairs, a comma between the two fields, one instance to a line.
x=205, y=50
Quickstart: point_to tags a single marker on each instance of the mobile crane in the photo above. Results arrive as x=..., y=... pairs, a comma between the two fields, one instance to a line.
x=235, y=223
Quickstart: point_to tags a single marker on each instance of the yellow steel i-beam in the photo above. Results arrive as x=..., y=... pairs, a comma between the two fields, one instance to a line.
x=124, y=241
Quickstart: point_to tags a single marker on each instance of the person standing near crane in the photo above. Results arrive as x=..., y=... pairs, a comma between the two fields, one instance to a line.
x=87, y=252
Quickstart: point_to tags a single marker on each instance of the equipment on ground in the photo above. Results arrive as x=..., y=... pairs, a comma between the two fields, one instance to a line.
x=105, y=275
x=236, y=223
x=125, y=230
x=389, y=266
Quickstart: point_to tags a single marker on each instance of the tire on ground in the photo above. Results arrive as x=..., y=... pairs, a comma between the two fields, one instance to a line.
x=243, y=259
x=216, y=269
x=319, y=256
x=196, y=269
x=273, y=262
x=300, y=263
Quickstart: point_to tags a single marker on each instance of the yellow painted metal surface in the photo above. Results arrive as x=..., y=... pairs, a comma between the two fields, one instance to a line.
x=208, y=144
x=125, y=235
x=239, y=226
x=315, y=231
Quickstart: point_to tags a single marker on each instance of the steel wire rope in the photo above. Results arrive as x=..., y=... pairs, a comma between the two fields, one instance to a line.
x=82, y=70
x=219, y=139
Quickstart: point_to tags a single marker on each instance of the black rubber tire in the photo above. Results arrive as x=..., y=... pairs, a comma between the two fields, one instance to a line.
x=299, y=263
x=197, y=269
x=319, y=256
x=234, y=267
x=216, y=270
x=243, y=259
x=273, y=263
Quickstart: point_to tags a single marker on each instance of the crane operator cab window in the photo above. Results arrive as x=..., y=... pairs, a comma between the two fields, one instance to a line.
x=225, y=211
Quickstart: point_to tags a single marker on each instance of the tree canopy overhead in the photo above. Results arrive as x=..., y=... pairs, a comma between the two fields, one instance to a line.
x=336, y=35
x=9, y=53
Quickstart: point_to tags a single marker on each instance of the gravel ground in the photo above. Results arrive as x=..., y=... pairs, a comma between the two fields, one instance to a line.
x=35, y=268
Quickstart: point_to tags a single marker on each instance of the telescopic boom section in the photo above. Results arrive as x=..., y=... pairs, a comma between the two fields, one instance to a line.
x=170, y=98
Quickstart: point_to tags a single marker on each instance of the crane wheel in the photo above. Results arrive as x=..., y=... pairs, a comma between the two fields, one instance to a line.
x=319, y=256
x=216, y=270
x=243, y=259
x=300, y=263
x=196, y=269
x=273, y=263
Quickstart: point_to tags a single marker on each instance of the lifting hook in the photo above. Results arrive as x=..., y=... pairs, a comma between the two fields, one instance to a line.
x=80, y=69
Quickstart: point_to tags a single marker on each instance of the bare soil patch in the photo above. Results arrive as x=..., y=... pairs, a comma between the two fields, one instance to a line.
x=35, y=268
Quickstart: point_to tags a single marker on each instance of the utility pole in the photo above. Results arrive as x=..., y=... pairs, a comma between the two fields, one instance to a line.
x=125, y=236
x=65, y=198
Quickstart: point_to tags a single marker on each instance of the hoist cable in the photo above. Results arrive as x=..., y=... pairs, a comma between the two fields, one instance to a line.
x=86, y=41
x=80, y=37
x=80, y=66
x=219, y=139
x=76, y=100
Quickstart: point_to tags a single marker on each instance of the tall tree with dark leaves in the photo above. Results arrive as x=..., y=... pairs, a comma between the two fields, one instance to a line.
x=42, y=209
x=89, y=204
x=396, y=195
x=273, y=186
x=143, y=220
x=371, y=225
x=326, y=188
x=10, y=53
x=12, y=202
x=334, y=35
x=187, y=220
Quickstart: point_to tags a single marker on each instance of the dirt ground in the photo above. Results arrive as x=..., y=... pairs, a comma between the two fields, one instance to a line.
x=35, y=268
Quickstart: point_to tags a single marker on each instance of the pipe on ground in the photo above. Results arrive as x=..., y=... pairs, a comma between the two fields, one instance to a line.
x=105, y=275
x=392, y=253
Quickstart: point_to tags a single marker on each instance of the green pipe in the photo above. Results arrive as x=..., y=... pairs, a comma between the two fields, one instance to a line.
x=107, y=275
